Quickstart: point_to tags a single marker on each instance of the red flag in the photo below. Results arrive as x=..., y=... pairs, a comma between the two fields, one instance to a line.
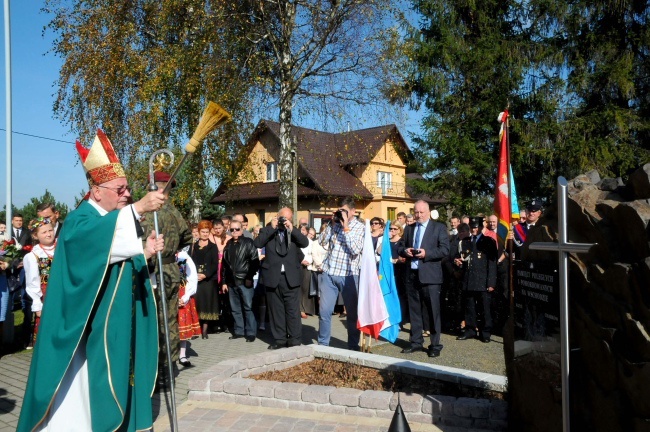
x=502, y=205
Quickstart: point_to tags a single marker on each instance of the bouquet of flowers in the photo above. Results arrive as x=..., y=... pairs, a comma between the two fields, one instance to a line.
x=12, y=253
x=10, y=250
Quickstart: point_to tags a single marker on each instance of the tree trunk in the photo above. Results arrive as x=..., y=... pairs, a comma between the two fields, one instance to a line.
x=287, y=151
x=195, y=213
x=286, y=165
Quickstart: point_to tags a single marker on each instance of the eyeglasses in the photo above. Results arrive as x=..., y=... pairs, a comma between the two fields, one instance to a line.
x=235, y=229
x=119, y=191
x=375, y=223
x=394, y=229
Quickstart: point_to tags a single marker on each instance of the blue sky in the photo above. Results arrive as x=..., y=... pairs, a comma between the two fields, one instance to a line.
x=39, y=164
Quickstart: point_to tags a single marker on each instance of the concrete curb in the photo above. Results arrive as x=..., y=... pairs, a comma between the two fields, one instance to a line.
x=227, y=382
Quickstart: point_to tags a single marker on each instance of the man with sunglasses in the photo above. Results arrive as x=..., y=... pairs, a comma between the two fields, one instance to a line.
x=95, y=361
x=239, y=264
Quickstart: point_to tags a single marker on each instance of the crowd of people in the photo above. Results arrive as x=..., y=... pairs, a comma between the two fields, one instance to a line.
x=251, y=279
x=220, y=276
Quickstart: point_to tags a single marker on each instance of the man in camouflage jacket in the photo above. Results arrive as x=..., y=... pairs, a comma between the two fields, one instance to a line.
x=177, y=234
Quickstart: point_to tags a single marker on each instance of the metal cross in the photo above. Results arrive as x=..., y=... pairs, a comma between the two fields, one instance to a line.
x=563, y=247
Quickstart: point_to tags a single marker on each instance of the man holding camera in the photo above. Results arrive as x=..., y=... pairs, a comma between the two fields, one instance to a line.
x=426, y=243
x=282, y=275
x=343, y=240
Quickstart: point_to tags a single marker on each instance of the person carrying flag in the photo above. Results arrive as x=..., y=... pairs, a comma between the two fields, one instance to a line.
x=520, y=231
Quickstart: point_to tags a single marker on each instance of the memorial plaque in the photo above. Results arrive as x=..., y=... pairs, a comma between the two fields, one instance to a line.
x=537, y=301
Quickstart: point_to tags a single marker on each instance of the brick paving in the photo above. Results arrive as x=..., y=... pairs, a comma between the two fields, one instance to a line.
x=214, y=416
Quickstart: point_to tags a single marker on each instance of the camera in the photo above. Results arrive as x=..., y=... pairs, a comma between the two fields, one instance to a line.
x=281, y=221
x=338, y=216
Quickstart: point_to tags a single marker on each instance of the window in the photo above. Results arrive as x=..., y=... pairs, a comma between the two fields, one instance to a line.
x=272, y=171
x=390, y=214
x=384, y=181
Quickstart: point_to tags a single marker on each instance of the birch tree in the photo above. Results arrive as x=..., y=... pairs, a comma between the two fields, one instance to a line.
x=143, y=70
x=322, y=51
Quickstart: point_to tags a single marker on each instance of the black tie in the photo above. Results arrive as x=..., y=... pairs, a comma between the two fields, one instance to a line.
x=473, y=243
x=17, y=233
x=282, y=247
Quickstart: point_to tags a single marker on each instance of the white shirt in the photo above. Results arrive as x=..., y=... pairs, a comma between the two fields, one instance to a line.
x=192, y=278
x=33, y=276
x=420, y=232
x=307, y=251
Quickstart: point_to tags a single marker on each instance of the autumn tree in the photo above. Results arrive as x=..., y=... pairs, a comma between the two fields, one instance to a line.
x=322, y=52
x=144, y=70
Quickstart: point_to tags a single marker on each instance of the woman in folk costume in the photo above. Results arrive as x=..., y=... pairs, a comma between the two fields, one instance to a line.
x=95, y=360
x=188, y=319
x=37, y=265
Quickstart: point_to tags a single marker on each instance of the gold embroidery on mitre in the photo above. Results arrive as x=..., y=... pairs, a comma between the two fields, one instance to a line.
x=105, y=173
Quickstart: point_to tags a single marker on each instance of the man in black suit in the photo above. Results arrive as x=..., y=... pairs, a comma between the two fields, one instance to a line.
x=519, y=232
x=48, y=210
x=22, y=236
x=282, y=275
x=19, y=233
x=426, y=243
x=478, y=257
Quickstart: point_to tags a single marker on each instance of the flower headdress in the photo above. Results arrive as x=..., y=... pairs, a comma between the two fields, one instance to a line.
x=35, y=224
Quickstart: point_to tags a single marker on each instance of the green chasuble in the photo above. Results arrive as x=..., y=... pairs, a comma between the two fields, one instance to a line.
x=108, y=307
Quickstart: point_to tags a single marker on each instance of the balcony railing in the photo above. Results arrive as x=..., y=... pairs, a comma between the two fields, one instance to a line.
x=387, y=189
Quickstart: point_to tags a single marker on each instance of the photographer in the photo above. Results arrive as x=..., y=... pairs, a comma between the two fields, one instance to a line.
x=282, y=275
x=343, y=241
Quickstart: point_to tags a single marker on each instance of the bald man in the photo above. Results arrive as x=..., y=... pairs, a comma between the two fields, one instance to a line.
x=282, y=275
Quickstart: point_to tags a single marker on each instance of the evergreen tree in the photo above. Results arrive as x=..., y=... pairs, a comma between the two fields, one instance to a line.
x=600, y=50
x=575, y=76
x=467, y=67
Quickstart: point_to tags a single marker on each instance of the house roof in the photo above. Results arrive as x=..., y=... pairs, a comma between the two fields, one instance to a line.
x=255, y=191
x=325, y=157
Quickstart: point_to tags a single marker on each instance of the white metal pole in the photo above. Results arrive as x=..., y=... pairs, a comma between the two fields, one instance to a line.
x=564, y=303
x=8, y=113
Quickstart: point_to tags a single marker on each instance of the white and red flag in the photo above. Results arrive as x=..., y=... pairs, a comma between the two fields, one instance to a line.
x=371, y=310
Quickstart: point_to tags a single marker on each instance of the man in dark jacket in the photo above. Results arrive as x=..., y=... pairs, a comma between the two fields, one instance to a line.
x=477, y=255
x=282, y=274
x=239, y=264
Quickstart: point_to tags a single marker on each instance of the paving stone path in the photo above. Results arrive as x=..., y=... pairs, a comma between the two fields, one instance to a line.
x=195, y=416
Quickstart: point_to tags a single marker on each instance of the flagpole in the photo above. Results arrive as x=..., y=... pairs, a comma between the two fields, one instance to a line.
x=8, y=120
x=510, y=251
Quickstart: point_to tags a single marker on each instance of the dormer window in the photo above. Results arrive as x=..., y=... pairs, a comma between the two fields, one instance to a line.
x=272, y=171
